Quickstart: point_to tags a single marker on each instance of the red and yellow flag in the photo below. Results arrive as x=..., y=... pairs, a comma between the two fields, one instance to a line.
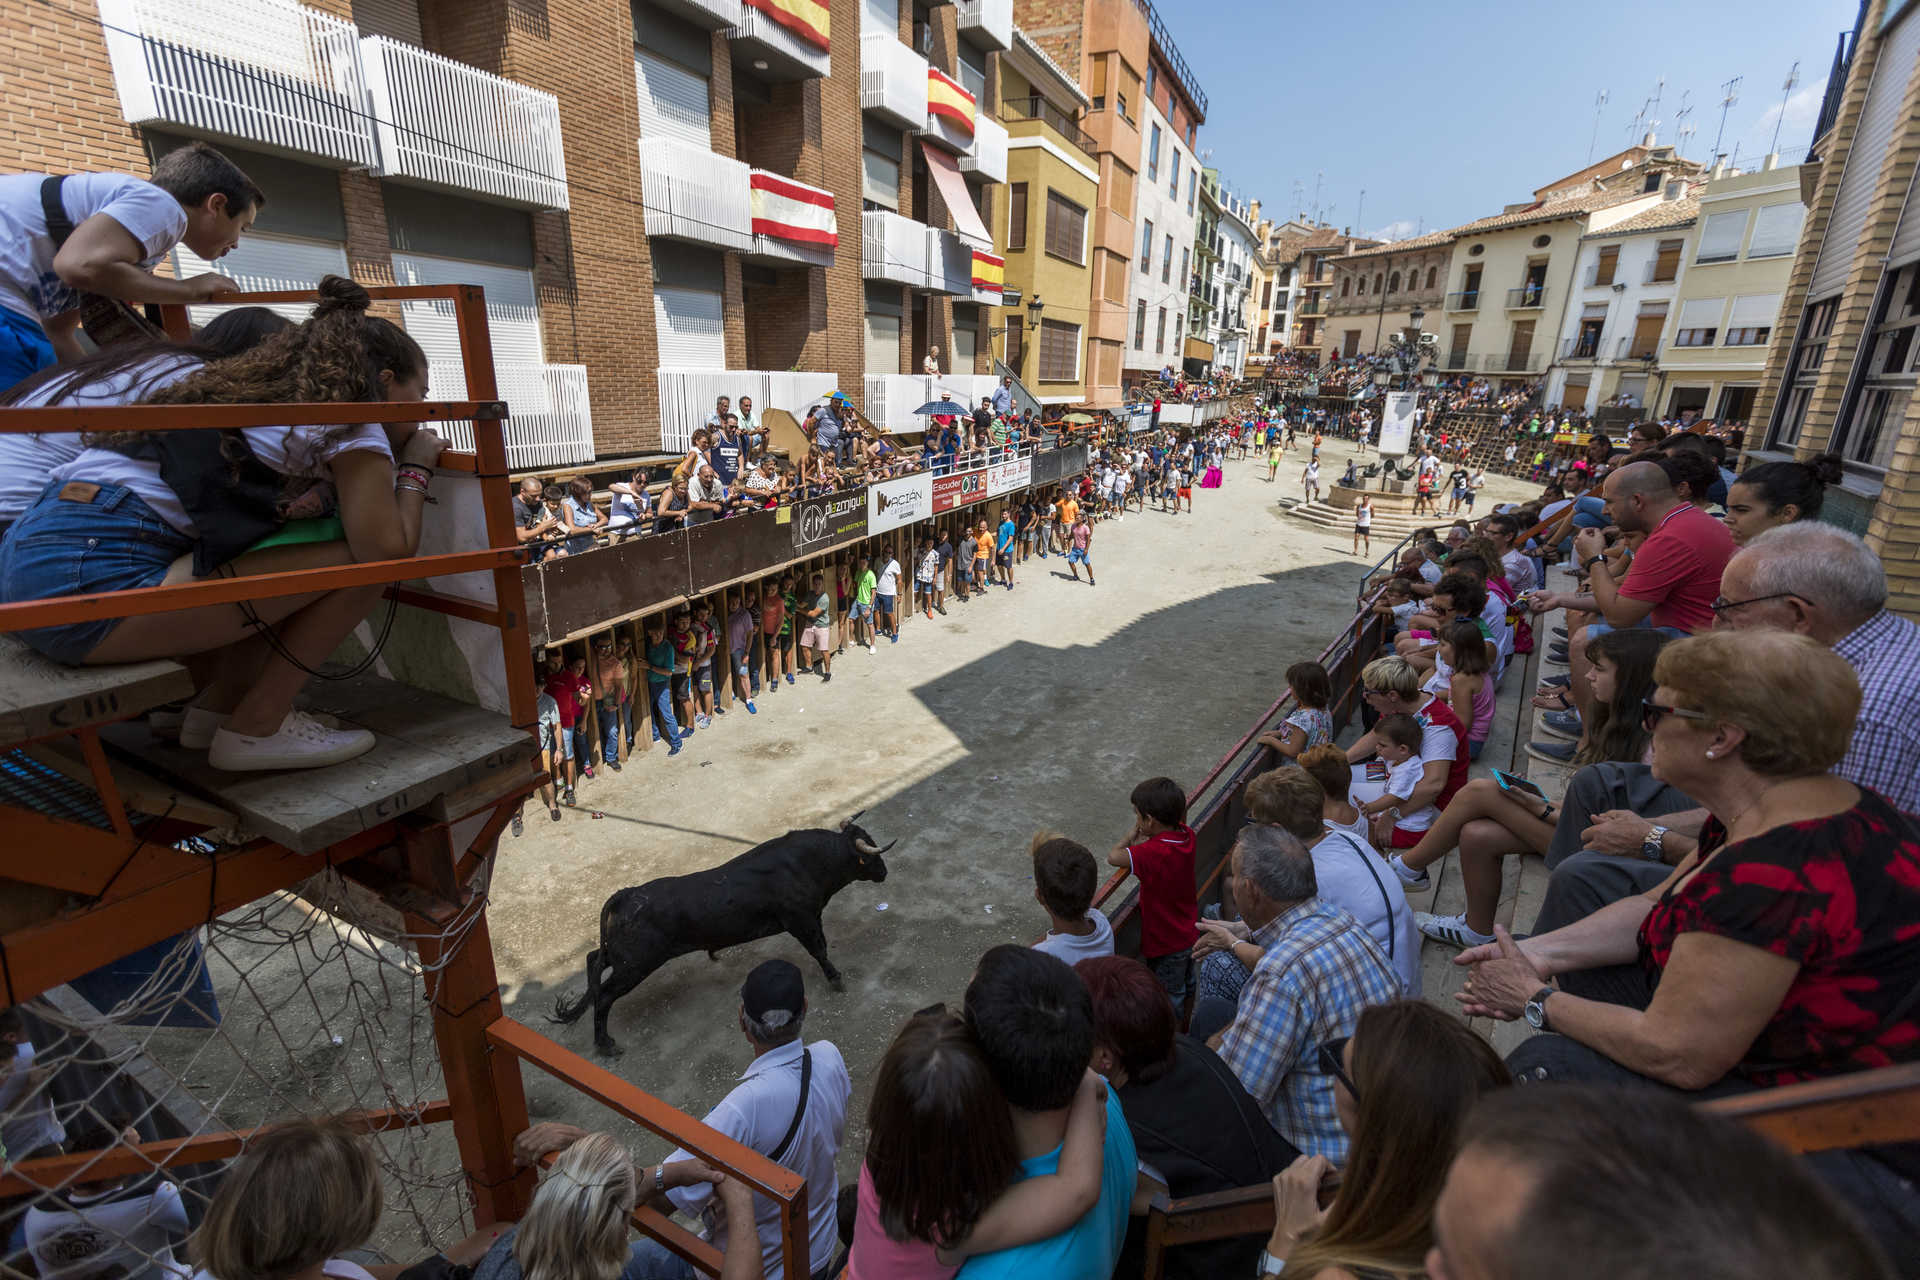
x=947, y=99
x=989, y=272
x=808, y=19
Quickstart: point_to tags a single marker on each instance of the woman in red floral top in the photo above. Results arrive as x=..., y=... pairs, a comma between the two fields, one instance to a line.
x=1788, y=947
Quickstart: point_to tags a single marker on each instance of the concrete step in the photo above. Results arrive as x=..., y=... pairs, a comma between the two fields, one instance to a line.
x=1319, y=513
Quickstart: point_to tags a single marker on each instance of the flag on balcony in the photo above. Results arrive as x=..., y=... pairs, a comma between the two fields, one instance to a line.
x=946, y=98
x=989, y=272
x=788, y=210
x=807, y=19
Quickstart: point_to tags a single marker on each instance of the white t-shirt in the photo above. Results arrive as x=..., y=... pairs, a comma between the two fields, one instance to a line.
x=1363, y=515
x=1430, y=571
x=889, y=582
x=27, y=462
x=929, y=566
x=131, y=1237
x=288, y=450
x=1405, y=778
x=1520, y=573
x=33, y=1125
x=1313, y=473
x=1065, y=946
x=28, y=285
x=1353, y=876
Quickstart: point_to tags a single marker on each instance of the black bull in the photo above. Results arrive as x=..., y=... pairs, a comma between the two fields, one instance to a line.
x=781, y=886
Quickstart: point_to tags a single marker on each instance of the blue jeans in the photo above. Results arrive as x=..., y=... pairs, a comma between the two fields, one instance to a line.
x=582, y=744
x=613, y=717
x=58, y=548
x=648, y=1259
x=1175, y=973
x=662, y=695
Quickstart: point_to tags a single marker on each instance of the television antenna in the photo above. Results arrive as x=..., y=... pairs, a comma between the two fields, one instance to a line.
x=1599, y=104
x=1786, y=92
x=1683, y=125
x=1731, y=94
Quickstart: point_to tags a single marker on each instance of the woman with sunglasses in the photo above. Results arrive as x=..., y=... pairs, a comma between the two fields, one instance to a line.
x=1403, y=1085
x=1781, y=950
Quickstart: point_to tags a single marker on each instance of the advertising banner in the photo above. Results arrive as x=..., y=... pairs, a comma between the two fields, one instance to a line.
x=899, y=502
x=959, y=490
x=1003, y=477
x=1396, y=427
x=821, y=522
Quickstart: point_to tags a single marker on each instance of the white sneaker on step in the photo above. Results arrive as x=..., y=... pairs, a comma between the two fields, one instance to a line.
x=199, y=725
x=301, y=742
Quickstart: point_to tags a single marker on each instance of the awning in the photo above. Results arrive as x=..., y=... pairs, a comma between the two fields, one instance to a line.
x=953, y=190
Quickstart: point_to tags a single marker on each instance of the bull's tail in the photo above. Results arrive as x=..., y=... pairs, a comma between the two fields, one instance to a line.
x=569, y=1010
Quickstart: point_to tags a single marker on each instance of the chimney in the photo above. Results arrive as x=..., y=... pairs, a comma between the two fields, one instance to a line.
x=1719, y=169
x=1771, y=162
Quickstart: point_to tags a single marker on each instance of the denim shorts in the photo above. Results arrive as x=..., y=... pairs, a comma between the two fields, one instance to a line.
x=59, y=548
x=857, y=612
x=884, y=603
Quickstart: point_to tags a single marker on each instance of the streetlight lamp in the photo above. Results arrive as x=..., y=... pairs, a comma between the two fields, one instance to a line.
x=1034, y=308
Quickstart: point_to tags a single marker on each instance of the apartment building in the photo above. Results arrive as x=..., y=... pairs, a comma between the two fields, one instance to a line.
x=1317, y=251
x=1047, y=209
x=1234, y=280
x=1281, y=290
x=1713, y=351
x=1166, y=215
x=1203, y=301
x=1841, y=361
x=657, y=197
x=1622, y=296
x=1376, y=291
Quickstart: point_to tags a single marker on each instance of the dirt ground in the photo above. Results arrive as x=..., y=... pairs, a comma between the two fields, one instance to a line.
x=1026, y=710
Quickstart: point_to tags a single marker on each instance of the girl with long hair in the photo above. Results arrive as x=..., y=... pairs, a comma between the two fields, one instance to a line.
x=937, y=1185
x=1469, y=688
x=1489, y=822
x=1777, y=493
x=143, y=509
x=1403, y=1085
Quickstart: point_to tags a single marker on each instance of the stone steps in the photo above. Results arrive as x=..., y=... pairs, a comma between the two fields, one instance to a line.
x=1385, y=524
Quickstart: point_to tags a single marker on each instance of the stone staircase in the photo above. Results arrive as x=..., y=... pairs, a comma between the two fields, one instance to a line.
x=1391, y=525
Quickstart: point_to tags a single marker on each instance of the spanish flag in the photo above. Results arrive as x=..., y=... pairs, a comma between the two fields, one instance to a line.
x=989, y=272
x=807, y=19
x=947, y=98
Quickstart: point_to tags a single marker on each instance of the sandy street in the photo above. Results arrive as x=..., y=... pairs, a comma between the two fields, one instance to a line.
x=1025, y=710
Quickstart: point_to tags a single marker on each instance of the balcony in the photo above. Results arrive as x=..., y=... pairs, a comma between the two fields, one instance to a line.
x=893, y=81
x=264, y=73
x=1595, y=280
x=1464, y=300
x=989, y=21
x=891, y=398
x=687, y=395
x=444, y=124
x=1311, y=307
x=1644, y=350
x=689, y=193
x=1038, y=108
x=552, y=422
x=989, y=275
x=1528, y=297
x=1460, y=360
x=792, y=221
x=1584, y=347
x=894, y=248
x=988, y=159
x=759, y=38
x=708, y=15
x=1661, y=271
x=949, y=263
x=1514, y=362
x=947, y=104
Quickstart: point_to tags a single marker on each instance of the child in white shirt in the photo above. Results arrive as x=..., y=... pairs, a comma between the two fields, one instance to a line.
x=1399, y=737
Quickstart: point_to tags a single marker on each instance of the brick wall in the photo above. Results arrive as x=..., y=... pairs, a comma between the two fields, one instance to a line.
x=61, y=115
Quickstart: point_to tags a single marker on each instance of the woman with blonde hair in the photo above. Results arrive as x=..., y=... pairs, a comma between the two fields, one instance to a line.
x=1403, y=1085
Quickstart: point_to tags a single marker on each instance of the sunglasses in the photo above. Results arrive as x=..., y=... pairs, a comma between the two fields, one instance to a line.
x=1333, y=1061
x=1652, y=712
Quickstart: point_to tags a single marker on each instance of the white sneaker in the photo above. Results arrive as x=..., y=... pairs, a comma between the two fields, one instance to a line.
x=1407, y=874
x=164, y=722
x=301, y=742
x=199, y=725
x=1451, y=930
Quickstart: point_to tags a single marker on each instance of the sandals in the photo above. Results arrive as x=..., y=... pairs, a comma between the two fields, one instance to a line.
x=1555, y=699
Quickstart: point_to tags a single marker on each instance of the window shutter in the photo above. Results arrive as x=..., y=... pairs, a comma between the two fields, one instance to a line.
x=689, y=327
x=1776, y=231
x=264, y=264
x=1869, y=154
x=880, y=180
x=1701, y=313
x=883, y=345
x=674, y=102
x=1720, y=238
x=1754, y=311
x=1017, y=216
x=513, y=313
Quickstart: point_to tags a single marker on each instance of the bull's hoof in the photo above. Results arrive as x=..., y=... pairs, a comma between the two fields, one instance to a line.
x=837, y=983
x=607, y=1048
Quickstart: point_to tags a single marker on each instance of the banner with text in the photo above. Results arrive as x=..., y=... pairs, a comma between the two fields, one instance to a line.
x=1396, y=427
x=899, y=502
x=820, y=522
x=1004, y=477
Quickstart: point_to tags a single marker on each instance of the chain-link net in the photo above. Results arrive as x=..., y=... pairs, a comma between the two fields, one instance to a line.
x=276, y=1010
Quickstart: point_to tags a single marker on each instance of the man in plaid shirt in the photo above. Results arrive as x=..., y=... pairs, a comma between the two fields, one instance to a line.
x=1316, y=969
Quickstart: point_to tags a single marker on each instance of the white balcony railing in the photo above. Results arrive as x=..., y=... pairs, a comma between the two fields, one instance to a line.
x=988, y=158
x=894, y=248
x=687, y=396
x=784, y=51
x=767, y=245
x=552, y=422
x=709, y=15
x=893, y=81
x=990, y=21
x=445, y=124
x=689, y=193
x=892, y=398
x=268, y=73
x=949, y=263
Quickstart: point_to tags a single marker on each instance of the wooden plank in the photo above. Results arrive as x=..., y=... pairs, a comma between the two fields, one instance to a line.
x=428, y=746
x=1867, y=1108
x=41, y=698
x=139, y=790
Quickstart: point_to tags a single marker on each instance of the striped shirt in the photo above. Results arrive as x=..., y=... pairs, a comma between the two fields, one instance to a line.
x=1319, y=971
x=1884, y=756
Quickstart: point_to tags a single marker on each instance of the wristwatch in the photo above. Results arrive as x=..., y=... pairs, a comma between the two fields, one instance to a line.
x=1591, y=561
x=1270, y=1265
x=1537, y=1009
x=1650, y=847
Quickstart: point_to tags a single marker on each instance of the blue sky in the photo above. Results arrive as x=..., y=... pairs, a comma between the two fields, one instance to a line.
x=1445, y=112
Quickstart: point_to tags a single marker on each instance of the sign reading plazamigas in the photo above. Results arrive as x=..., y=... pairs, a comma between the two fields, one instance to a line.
x=834, y=518
x=894, y=503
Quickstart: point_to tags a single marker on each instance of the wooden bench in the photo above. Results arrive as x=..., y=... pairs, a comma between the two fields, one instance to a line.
x=1866, y=1108
x=40, y=698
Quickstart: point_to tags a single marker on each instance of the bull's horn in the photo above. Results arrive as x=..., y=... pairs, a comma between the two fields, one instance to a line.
x=847, y=822
x=868, y=849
